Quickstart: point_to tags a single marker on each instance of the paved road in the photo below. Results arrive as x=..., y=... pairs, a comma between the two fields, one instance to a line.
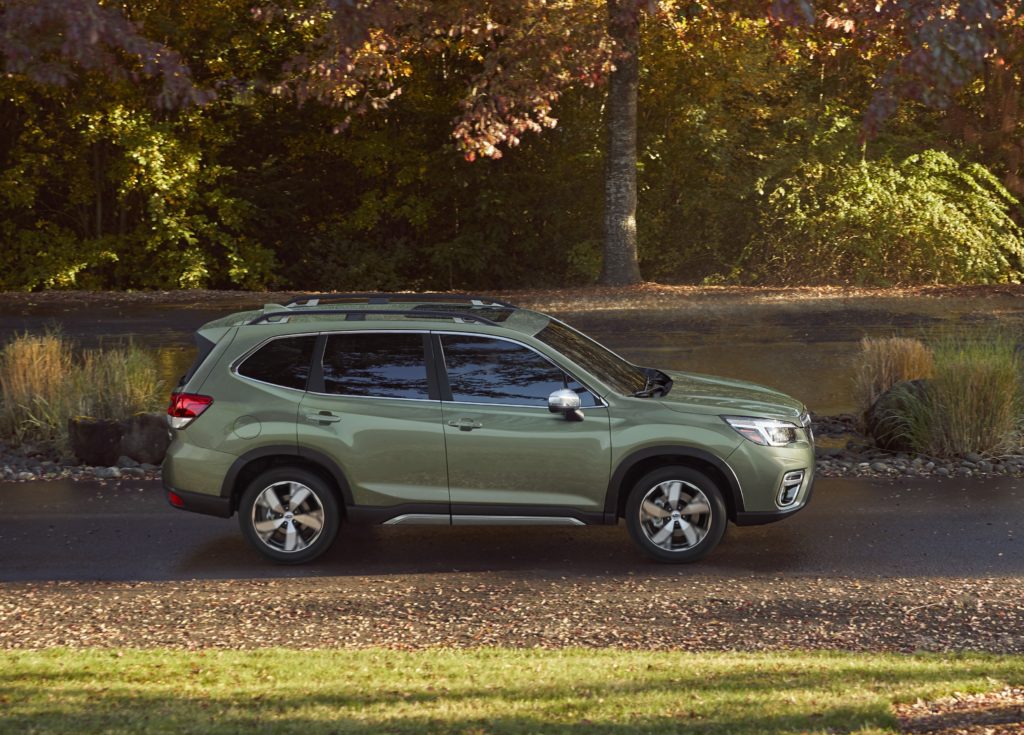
x=853, y=528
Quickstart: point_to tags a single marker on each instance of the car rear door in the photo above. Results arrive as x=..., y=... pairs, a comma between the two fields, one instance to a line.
x=373, y=406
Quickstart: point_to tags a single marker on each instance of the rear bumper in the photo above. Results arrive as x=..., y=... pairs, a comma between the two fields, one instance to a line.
x=211, y=505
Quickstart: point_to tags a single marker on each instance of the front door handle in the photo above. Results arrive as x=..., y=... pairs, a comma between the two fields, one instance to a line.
x=465, y=424
x=324, y=417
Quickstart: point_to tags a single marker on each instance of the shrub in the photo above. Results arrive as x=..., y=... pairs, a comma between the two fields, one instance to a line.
x=974, y=401
x=925, y=219
x=42, y=385
x=886, y=361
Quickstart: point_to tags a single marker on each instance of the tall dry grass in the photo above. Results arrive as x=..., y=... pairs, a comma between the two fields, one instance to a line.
x=34, y=397
x=975, y=400
x=43, y=384
x=886, y=361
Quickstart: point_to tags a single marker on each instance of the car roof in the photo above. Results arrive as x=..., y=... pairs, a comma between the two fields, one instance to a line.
x=341, y=312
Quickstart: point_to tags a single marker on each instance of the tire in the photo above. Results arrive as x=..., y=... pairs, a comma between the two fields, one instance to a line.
x=285, y=530
x=697, y=516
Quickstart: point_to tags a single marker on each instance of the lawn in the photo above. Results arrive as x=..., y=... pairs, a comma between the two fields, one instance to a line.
x=476, y=691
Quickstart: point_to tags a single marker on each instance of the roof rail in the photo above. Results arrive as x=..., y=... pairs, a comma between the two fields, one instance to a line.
x=360, y=314
x=383, y=297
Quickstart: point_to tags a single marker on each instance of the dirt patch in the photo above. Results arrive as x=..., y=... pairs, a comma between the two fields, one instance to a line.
x=990, y=713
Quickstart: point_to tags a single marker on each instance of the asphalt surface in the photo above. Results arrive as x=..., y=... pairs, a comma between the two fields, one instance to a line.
x=853, y=528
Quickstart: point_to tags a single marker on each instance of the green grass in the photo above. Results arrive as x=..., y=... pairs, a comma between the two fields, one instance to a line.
x=476, y=691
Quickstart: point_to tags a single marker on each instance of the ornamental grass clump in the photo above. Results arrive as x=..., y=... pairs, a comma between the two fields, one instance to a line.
x=43, y=383
x=886, y=361
x=974, y=401
x=35, y=402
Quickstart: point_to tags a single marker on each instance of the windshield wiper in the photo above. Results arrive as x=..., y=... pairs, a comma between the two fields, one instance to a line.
x=657, y=384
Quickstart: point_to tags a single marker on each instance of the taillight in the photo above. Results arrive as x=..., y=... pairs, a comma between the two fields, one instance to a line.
x=186, y=408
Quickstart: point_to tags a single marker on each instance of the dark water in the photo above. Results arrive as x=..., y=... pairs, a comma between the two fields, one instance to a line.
x=805, y=348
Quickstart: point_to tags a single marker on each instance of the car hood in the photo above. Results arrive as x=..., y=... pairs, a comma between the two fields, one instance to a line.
x=695, y=393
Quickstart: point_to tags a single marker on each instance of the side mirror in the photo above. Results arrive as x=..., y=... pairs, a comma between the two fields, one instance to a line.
x=567, y=403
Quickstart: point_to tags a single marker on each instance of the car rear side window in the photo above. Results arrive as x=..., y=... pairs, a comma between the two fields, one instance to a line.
x=377, y=365
x=283, y=362
x=496, y=371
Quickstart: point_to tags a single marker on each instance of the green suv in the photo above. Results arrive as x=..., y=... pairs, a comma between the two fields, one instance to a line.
x=455, y=410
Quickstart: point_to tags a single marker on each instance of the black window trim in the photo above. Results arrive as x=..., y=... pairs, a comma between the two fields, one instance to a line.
x=316, y=376
x=446, y=391
x=249, y=353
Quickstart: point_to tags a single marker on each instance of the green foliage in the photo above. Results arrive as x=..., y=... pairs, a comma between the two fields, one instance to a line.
x=750, y=170
x=43, y=384
x=974, y=402
x=927, y=218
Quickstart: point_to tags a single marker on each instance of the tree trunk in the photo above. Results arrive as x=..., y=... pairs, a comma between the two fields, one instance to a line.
x=620, y=262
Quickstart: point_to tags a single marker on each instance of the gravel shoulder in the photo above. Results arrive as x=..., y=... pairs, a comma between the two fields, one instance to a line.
x=442, y=610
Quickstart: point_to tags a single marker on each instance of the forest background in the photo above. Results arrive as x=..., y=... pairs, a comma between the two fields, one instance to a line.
x=223, y=144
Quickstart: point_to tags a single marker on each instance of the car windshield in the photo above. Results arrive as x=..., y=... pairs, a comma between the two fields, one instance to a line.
x=622, y=376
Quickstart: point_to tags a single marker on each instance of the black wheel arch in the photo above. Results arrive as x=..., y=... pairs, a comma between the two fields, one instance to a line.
x=640, y=462
x=255, y=461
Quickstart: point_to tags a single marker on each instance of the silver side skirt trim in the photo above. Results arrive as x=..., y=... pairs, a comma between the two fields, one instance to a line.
x=515, y=521
x=438, y=519
x=420, y=519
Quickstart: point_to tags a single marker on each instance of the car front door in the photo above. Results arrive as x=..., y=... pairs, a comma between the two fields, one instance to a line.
x=374, y=408
x=507, y=452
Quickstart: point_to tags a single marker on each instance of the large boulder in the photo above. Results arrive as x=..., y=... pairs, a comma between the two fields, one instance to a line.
x=886, y=420
x=95, y=441
x=102, y=442
x=144, y=437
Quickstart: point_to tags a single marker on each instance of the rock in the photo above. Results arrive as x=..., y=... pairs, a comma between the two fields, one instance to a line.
x=973, y=457
x=969, y=465
x=886, y=421
x=879, y=467
x=134, y=472
x=123, y=461
x=107, y=473
x=149, y=467
x=95, y=441
x=944, y=471
x=144, y=437
x=26, y=476
x=985, y=466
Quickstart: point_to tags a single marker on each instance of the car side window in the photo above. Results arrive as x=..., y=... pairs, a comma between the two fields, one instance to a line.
x=380, y=365
x=496, y=371
x=283, y=362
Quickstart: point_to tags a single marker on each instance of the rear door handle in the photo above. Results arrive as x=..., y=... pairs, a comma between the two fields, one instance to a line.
x=465, y=424
x=324, y=417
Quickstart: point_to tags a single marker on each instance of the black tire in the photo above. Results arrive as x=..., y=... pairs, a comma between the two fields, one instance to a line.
x=692, y=535
x=290, y=524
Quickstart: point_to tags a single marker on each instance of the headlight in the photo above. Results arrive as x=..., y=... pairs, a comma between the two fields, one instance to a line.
x=766, y=432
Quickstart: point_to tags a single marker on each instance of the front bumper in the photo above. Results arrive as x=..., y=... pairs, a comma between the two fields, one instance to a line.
x=759, y=518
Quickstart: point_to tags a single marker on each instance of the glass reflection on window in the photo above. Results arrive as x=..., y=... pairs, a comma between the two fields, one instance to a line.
x=485, y=370
x=378, y=365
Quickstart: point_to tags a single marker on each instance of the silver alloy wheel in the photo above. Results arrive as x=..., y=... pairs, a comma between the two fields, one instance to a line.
x=675, y=515
x=288, y=516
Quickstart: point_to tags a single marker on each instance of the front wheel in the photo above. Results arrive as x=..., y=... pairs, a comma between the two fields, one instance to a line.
x=289, y=515
x=676, y=514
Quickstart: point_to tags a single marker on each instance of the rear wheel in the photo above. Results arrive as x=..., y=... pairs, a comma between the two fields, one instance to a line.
x=676, y=514
x=289, y=514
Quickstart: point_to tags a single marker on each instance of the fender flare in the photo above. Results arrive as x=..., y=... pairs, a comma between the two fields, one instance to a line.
x=318, y=458
x=611, y=503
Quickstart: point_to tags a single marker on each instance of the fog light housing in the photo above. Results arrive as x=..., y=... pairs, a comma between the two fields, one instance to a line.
x=791, y=484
